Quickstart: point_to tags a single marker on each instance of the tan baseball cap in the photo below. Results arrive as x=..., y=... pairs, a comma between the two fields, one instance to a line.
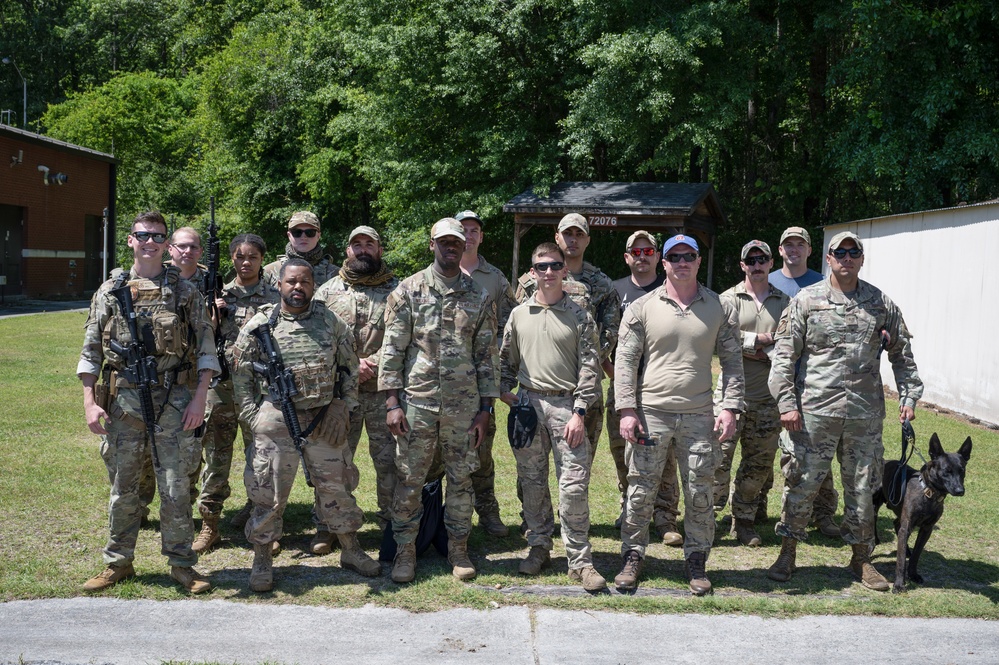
x=795, y=232
x=838, y=239
x=449, y=226
x=303, y=217
x=574, y=219
x=641, y=234
x=756, y=244
x=364, y=231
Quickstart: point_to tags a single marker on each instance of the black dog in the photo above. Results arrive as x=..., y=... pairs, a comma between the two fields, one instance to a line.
x=920, y=501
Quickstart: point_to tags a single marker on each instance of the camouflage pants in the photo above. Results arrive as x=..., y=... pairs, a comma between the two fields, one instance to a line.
x=857, y=445
x=484, y=479
x=275, y=465
x=125, y=449
x=572, y=472
x=826, y=501
x=370, y=414
x=667, y=504
x=215, y=466
x=697, y=454
x=757, y=429
x=415, y=453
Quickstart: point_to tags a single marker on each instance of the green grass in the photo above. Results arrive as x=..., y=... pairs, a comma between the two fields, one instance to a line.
x=53, y=498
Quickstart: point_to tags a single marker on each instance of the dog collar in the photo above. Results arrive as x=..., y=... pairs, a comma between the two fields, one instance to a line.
x=929, y=492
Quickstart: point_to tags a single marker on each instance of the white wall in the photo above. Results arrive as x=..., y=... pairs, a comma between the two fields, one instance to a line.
x=942, y=269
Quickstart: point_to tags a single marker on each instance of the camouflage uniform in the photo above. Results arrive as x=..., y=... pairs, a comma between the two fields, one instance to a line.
x=491, y=280
x=361, y=306
x=568, y=339
x=758, y=426
x=604, y=305
x=313, y=345
x=840, y=397
x=651, y=329
x=176, y=312
x=323, y=270
x=439, y=352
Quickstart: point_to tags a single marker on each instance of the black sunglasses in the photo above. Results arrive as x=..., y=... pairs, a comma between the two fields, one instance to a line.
x=143, y=236
x=854, y=252
x=689, y=257
x=308, y=233
x=753, y=260
x=549, y=265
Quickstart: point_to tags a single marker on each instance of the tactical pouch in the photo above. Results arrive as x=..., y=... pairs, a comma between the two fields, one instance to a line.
x=167, y=334
x=102, y=396
x=315, y=384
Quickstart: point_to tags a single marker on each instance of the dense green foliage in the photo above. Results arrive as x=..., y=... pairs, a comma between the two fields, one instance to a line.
x=398, y=113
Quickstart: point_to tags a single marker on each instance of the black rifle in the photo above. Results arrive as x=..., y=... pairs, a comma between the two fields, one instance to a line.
x=213, y=290
x=281, y=388
x=140, y=363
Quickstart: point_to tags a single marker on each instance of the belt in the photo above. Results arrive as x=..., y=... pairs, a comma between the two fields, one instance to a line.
x=547, y=393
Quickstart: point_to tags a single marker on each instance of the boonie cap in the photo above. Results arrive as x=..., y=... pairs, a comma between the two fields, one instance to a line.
x=640, y=234
x=574, y=219
x=468, y=214
x=756, y=244
x=680, y=240
x=795, y=232
x=304, y=217
x=449, y=226
x=364, y=231
x=838, y=239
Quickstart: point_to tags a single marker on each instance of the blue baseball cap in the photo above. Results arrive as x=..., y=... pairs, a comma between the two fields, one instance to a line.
x=680, y=240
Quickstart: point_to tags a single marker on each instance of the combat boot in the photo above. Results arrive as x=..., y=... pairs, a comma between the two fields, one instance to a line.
x=240, y=519
x=783, y=567
x=761, y=510
x=457, y=556
x=744, y=531
x=589, y=578
x=353, y=557
x=627, y=579
x=536, y=559
x=209, y=535
x=190, y=579
x=262, y=573
x=322, y=542
x=493, y=525
x=699, y=582
x=864, y=570
x=404, y=565
x=827, y=527
x=670, y=536
x=109, y=577
x=275, y=548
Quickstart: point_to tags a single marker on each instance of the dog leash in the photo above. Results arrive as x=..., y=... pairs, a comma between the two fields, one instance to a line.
x=896, y=490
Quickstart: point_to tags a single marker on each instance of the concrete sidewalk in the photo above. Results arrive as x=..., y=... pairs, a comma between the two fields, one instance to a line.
x=99, y=631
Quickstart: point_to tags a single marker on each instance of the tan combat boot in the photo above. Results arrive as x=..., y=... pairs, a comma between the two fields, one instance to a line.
x=109, y=577
x=240, y=519
x=209, y=535
x=190, y=579
x=536, y=559
x=744, y=531
x=322, y=542
x=353, y=557
x=457, y=556
x=783, y=567
x=404, y=565
x=627, y=579
x=262, y=573
x=864, y=570
x=827, y=527
x=493, y=525
x=275, y=548
x=670, y=536
x=588, y=578
x=699, y=582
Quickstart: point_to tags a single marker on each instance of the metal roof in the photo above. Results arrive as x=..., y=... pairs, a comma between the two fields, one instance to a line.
x=31, y=137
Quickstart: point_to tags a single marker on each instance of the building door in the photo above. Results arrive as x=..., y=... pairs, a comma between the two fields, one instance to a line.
x=93, y=246
x=11, y=227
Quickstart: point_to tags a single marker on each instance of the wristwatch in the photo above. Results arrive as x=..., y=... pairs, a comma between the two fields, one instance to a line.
x=580, y=412
x=487, y=409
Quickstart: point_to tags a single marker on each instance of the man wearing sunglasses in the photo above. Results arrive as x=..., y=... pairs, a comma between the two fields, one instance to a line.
x=794, y=275
x=550, y=351
x=176, y=334
x=759, y=305
x=642, y=258
x=304, y=234
x=836, y=331
x=663, y=383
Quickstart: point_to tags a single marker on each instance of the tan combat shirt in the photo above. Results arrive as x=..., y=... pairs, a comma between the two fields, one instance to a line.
x=752, y=322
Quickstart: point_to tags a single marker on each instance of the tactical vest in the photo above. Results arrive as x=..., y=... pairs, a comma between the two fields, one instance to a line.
x=308, y=349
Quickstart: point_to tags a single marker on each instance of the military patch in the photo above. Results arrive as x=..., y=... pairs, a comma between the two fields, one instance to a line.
x=782, y=326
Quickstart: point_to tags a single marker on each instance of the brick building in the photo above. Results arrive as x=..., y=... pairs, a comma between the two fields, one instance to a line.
x=54, y=199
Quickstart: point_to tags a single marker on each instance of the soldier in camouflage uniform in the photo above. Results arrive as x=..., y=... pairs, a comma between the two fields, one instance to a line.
x=172, y=319
x=437, y=364
x=573, y=237
x=837, y=329
x=674, y=331
x=358, y=295
x=550, y=351
x=318, y=349
x=491, y=280
x=759, y=305
x=238, y=301
x=304, y=234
